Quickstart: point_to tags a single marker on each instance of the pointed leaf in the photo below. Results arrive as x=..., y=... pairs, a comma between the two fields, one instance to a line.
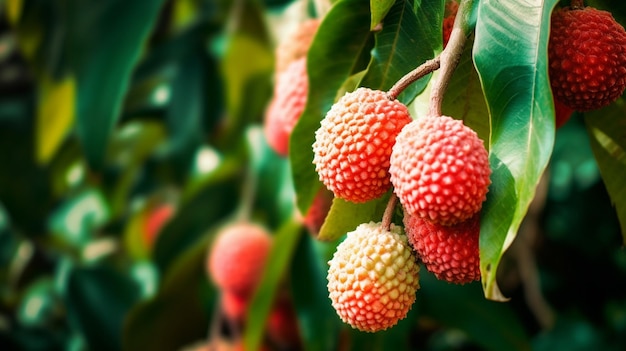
x=105, y=42
x=345, y=216
x=343, y=36
x=510, y=53
x=55, y=115
x=380, y=8
x=411, y=34
x=607, y=133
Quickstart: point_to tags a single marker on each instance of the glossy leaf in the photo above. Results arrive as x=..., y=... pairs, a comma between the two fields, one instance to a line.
x=55, y=115
x=118, y=31
x=318, y=321
x=410, y=35
x=275, y=272
x=607, y=133
x=492, y=325
x=510, y=53
x=343, y=35
x=99, y=322
x=345, y=216
x=380, y=8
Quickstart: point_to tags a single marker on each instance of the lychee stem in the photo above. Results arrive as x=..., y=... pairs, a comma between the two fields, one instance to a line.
x=388, y=215
x=422, y=70
x=450, y=56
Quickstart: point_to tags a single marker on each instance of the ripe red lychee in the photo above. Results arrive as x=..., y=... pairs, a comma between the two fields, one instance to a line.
x=562, y=114
x=440, y=170
x=450, y=252
x=587, y=58
x=234, y=306
x=296, y=44
x=448, y=21
x=237, y=258
x=282, y=323
x=353, y=144
x=316, y=215
x=156, y=219
x=286, y=106
x=373, y=277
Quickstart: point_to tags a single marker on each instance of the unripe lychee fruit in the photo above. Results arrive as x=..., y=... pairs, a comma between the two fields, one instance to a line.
x=237, y=258
x=296, y=44
x=286, y=106
x=353, y=144
x=440, y=170
x=450, y=252
x=373, y=277
x=587, y=58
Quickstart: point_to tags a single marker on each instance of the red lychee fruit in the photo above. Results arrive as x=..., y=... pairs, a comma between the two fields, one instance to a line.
x=450, y=252
x=586, y=57
x=234, y=307
x=296, y=44
x=236, y=259
x=373, y=277
x=282, y=324
x=316, y=215
x=353, y=144
x=440, y=170
x=448, y=21
x=562, y=114
x=286, y=106
x=156, y=219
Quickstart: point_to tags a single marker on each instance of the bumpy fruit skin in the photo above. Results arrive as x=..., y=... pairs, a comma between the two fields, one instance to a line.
x=373, y=277
x=440, y=170
x=587, y=58
x=354, y=142
x=296, y=45
x=450, y=252
x=286, y=106
x=237, y=258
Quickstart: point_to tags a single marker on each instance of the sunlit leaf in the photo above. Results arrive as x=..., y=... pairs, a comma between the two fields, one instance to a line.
x=510, y=53
x=345, y=216
x=607, y=133
x=55, y=115
x=343, y=35
x=380, y=8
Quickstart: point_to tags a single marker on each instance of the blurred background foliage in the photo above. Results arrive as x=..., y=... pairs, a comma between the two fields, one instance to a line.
x=130, y=133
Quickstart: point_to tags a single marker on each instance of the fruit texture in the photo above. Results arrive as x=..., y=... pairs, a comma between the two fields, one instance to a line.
x=440, y=170
x=237, y=258
x=373, y=277
x=450, y=252
x=296, y=44
x=353, y=144
x=286, y=106
x=587, y=58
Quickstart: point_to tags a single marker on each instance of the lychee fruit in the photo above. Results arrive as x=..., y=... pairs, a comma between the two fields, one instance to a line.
x=286, y=106
x=440, y=170
x=448, y=21
x=282, y=323
x=586, y=57
x=450, y=252
x=236, y=259
x=373, y=277
x=296, y=44
x=562, y=114
x=353, y=144
x=316, y=215
x=234, y=307
x=156, y=219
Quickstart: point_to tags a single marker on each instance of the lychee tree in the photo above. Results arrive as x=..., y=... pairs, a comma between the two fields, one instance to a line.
x=235, y=111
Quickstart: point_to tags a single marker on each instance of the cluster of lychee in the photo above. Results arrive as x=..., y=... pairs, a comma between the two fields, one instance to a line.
x=235, y=264
x=438, y=168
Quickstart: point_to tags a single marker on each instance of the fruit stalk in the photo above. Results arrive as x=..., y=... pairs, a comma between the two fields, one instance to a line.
x=388, y=215
x=450, y=56
x=422, y=70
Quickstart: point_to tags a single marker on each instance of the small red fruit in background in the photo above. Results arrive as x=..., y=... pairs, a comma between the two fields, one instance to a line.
x=586, y=57
x=562, y=114
x=156, y=219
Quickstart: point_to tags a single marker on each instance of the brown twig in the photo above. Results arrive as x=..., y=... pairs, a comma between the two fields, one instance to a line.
x=425, y=68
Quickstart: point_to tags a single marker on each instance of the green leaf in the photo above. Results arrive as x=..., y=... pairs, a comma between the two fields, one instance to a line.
x=411, y=34
x=283, y=248
x=97, y=300
x=319, y=323
x=179, y=309
x=380, y=8
x=607, y=134
x=492, y=325
x=510, y=53
x=105, y=40
x=55, y=115
x=345, y=216
x=343, y=36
